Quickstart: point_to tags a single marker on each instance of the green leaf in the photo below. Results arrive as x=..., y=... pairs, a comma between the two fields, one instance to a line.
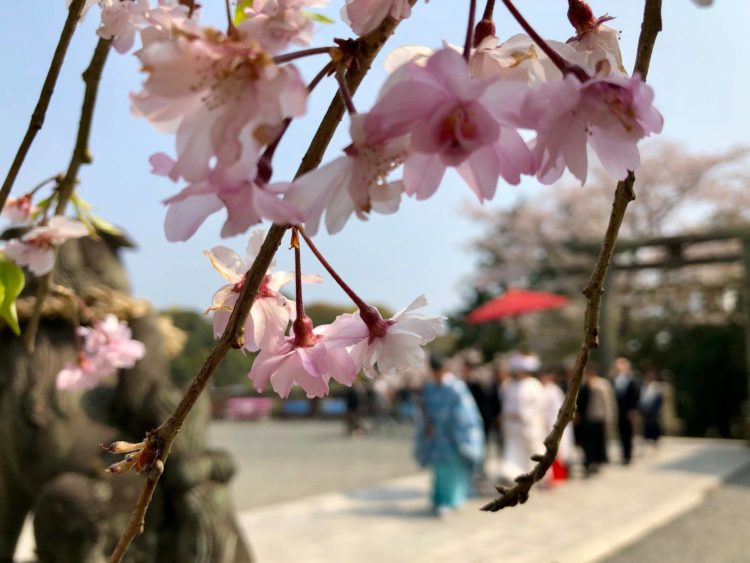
x=84, y=215
x=239, y=11
x=11, y=284
x=44, y=204
x=320, y=18
x=104, y=226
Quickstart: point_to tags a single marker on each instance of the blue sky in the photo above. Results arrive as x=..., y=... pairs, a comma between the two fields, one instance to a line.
x=698, y=73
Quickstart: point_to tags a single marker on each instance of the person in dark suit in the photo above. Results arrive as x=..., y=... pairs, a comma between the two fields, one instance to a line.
x=627, y=393
x=482, y=395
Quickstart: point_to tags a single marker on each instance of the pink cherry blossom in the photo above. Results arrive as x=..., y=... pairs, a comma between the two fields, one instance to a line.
x=166, y=17
x=310, y=364
x=224, y=97
x=608, y=114
x=121, y=19
x=390, y=345
x=111, y=342
x=247, y=203
x=36, y=249
x=83, y=374
x=354, y=183
x=276, y=24
x=518, y=58
x=363, y=16
x=271, y=311
x=107, y=347
x=454, y=120
x=19, y=209
x=598, y=48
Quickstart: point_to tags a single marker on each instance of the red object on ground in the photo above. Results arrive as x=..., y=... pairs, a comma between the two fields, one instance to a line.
x=559, y=471
x=516, y=302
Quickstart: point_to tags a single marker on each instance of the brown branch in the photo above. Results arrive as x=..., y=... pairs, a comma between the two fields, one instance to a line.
x=45, y=96
x=81, y=155
x=624, y=194
x=162, y=439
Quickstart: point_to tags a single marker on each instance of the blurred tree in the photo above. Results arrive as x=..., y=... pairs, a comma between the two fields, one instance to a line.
x=532, y=244
x=200, y=340
x=706, y=366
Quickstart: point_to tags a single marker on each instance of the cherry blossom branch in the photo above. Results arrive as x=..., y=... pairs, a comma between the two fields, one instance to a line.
x=346, y=95
x=299, y=304
x=231, y=29
x=279, y=59
x=470, y=29
x=81, y=155
x=48, y=88
x=489, y=10
x=358, y=301
x=564, y=66
x=56, y=178
x=160, y=441
x=265, y=168
x=624, y=194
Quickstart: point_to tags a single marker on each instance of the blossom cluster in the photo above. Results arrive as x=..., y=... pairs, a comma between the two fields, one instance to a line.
x=311, y=356
x=35, y=249
x=228, y=96
x=525, y=106
x=106, y=347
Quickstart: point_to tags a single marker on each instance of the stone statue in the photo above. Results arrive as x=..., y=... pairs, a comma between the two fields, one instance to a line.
x=51, y=463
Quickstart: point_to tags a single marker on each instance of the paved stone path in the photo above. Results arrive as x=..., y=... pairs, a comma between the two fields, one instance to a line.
x=717, y=531
x=585, y=520
x=306, y=494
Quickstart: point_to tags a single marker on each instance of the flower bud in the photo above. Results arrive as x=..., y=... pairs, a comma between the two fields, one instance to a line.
x=580, y=16
x=121, y=447
x=484, y=29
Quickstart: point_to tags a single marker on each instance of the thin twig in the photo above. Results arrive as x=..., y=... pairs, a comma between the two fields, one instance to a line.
x=489, y=10
x=624, y=194
x=304, y=53
x=91, y=78
x=332, y=272
x=48, y=88
x=163, y=437
x=470, y=29
x=265, y=170
x=346, y=95
x=563, y=65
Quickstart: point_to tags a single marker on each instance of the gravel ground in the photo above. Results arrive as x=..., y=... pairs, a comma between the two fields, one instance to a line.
x=284, y=460
x=717, y=531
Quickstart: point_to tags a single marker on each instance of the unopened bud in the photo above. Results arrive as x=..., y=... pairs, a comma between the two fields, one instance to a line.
x=121, y=447
x=120, y=467
x=580, y=16
x=484, y=29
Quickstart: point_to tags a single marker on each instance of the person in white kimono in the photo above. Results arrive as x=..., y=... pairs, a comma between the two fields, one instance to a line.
x=523, y=425
x=554, y=398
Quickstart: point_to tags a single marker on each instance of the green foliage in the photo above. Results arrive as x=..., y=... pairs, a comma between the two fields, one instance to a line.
x=232, y=371
x=11, y=284
x=239, y=11
x=93, y=223
x=707, y=368
x=320, y=18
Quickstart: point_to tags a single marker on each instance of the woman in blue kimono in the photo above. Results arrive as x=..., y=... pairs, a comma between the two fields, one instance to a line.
x=449, y=437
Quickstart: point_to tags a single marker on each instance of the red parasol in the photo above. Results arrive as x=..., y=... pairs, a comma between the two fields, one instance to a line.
x=515, y=302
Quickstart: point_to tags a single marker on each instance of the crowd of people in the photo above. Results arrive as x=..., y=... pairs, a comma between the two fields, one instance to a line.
x=460, y=414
